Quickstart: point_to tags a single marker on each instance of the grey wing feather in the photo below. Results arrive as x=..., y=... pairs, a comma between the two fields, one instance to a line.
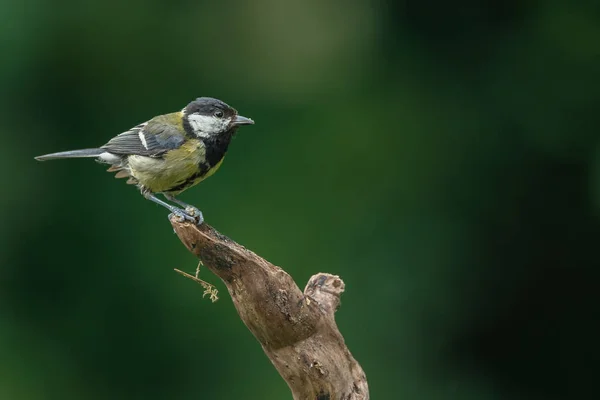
x=147, y=139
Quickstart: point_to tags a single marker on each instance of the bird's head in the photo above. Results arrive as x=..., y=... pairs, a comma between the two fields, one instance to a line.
x=207, y=117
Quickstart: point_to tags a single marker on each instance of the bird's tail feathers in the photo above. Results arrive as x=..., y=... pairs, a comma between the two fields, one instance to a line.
x=83, y=153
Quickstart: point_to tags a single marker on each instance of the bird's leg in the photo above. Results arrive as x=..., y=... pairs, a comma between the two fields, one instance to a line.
x=189, y=209
x=174, y=210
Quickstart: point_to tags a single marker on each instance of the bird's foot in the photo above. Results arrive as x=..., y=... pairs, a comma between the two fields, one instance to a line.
x=192, y=211
x=181, y=216
x=196, y=214
x=190, y=214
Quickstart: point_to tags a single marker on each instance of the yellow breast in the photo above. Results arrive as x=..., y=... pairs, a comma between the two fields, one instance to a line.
x=177, y=166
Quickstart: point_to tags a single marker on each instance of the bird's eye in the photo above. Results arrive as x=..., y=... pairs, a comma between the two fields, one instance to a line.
x=218, y=114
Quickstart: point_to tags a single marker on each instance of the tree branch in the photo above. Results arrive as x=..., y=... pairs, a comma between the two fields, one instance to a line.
x=297, y=330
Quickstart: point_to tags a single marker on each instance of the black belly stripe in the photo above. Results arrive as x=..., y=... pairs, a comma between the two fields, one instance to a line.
x=203, y=169
x=216, y=147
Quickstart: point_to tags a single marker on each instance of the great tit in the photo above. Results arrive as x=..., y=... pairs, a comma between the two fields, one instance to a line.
x=170, y=153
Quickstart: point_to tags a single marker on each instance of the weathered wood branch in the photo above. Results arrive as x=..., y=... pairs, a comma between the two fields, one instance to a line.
x=297, y=330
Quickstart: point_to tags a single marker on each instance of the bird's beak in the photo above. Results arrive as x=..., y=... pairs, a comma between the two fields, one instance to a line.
x=239, y=120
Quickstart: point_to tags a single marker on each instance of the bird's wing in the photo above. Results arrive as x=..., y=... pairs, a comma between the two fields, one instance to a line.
x=152, y=138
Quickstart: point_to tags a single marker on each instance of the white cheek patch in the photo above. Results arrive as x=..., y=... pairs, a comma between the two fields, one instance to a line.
x=205, y=125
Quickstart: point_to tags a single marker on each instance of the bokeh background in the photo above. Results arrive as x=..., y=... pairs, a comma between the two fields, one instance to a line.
x=442, y=157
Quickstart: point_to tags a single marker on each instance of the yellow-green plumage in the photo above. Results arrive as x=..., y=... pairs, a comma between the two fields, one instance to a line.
x=161, y=174
x=185, y=166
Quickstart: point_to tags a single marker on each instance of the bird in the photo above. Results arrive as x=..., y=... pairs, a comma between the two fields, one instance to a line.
x=169, y=153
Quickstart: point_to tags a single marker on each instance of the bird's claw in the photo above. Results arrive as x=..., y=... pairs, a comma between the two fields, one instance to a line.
x=181, y=216
x=199, y=218
x=192, y=211
x=195, y=213
x=191, y=214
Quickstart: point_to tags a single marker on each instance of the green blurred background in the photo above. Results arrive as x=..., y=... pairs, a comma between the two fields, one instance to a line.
x=442, y=157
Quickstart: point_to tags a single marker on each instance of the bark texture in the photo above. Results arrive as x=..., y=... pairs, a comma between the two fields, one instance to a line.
x=296, y=329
